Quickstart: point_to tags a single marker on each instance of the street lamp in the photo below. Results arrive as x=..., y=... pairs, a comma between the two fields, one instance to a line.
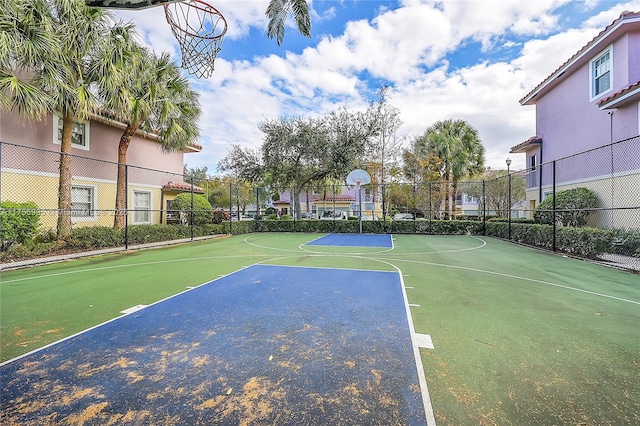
x=508, y=161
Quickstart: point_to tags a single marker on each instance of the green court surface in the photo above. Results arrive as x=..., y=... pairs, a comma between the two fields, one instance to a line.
x=520, y=336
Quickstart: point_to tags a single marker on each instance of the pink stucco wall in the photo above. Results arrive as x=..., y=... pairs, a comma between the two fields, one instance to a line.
x=568, y=121
x=103, y=145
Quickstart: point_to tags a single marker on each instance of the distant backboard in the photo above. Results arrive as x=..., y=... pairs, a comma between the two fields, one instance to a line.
x=358, y=177
x=127, y=4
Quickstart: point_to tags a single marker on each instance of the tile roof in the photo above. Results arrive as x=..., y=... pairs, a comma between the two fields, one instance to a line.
x=624, y=16
x=628, y=93
x=181, y=186
x=338, y=198
x=521, y=147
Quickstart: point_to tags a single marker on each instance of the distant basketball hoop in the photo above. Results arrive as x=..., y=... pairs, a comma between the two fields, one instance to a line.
x=357, y=178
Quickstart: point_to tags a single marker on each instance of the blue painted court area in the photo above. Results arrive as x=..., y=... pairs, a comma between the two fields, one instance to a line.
x=354, y=240
x=264, y=345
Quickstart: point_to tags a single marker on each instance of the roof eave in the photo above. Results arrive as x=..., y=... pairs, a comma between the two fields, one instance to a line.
x=579, y=57
x=628, y=97
x=522, y=147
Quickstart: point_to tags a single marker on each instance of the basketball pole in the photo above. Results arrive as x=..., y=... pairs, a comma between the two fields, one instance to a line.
x=359, y=205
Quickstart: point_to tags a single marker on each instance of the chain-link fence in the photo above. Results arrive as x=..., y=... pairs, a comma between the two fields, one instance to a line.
x=587, y=204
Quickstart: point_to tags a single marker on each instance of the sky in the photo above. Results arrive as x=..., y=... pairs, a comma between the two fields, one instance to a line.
x=471, y=60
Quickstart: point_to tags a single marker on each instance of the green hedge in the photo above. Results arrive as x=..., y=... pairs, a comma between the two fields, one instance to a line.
x=95, y=237
x=580, y=241
x=18, y=223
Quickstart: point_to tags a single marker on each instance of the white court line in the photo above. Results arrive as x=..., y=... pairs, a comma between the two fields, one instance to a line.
x=157, y=262
x=384, y=250
x=519, y=278
x=484, y=243
x=426, y=399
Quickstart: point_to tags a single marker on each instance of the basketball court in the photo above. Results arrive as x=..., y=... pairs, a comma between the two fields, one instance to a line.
x=263, y=345
x=269, y=329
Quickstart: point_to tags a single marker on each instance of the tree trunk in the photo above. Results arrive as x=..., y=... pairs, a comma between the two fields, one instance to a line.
x=64, y=184
x=121, y=182
x=454, y=200
x=447, y=199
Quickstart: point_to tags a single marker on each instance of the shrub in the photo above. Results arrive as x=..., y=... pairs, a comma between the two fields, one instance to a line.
x=202, y=211
x=91, y=237
x=18, y=223
x=513, y=220
x=286, y=217
x=573, y=207
x=219, y=216
x=141, y=234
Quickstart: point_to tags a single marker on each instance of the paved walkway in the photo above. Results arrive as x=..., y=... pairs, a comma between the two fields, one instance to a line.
x=61, y=258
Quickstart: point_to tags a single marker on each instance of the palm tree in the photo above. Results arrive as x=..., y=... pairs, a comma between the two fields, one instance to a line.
x=27, y=43
x=156, y=98
x=278, y=11
x=61, y=63
x=457, y=144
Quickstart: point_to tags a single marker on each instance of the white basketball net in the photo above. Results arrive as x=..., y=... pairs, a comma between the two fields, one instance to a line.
x=199, y=29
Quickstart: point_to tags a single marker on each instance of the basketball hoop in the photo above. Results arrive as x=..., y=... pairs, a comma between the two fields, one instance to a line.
x=199, y=29
x=357, y=178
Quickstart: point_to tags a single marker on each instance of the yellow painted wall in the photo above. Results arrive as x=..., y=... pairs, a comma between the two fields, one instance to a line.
x=43, y=190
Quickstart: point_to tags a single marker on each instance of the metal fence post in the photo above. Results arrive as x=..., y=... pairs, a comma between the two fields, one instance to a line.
x=553, y=191
x=126, y=207
x=430, y=207
x=192, y=207
x=484, y=208
x=509, y=204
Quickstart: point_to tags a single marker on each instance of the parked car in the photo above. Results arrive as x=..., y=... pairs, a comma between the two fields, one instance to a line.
x=403, y=216
x=242, y=217
x=370, y=217
x=331, y=215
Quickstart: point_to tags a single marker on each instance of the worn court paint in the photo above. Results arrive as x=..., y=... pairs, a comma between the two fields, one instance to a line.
x=354, y=240
x=304, y=345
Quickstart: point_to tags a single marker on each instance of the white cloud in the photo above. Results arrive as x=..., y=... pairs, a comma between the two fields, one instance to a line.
x=407, y=46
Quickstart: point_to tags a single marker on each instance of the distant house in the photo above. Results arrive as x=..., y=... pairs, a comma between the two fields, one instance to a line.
x=590, y=101
x=316, y=206
x=30, y=169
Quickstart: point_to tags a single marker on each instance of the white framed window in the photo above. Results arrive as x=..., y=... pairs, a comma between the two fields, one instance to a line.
x=83, y=202
x=141, y=207
x=601, y=73
x=80, y=135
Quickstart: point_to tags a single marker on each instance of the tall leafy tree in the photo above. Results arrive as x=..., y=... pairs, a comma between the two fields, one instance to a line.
x=423, y=169
x=458, y=146
x=279, y=10
x=66, y=73
x=154, y=97
x=299, y=153
x=495, y=191
x=384, y=146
